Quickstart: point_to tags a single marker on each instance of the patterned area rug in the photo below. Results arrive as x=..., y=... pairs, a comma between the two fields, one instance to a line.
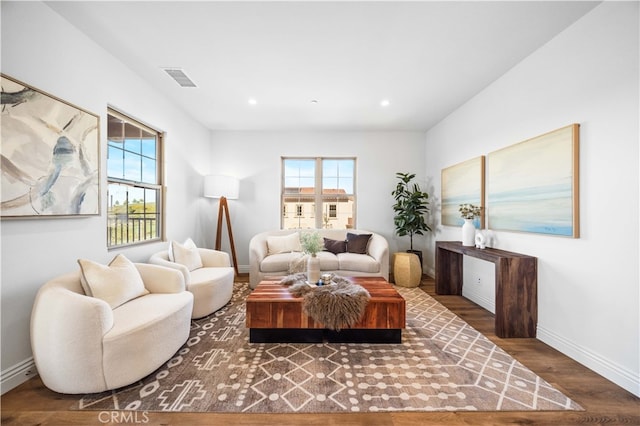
x=442, y=364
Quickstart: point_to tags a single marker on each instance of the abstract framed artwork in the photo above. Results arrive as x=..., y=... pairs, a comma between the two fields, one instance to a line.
x=50, y=155
x=533, y=186
x=462, y=183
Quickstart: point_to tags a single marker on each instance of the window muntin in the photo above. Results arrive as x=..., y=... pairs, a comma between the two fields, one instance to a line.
x=326, y=189
x=134, y=191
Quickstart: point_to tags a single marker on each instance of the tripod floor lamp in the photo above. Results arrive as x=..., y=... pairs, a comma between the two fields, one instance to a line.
x=223, y=187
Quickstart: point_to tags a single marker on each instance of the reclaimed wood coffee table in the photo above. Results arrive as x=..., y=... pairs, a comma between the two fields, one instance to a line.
x=275, y=315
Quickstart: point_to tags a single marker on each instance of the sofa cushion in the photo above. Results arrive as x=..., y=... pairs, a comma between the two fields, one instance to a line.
x=335, y=246
x=357, y=243
x=186, y=255
x=116, y=283
x=358, y=262
x=283, y=244
x=280, y=262
x=328, y=261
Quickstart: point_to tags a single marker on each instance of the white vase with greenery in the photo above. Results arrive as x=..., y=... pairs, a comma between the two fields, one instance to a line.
x=312, y=243
x=469, y=212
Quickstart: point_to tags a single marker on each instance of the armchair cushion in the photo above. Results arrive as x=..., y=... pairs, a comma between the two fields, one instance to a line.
x=186, y=255
x=116, y=283
x=187, y=243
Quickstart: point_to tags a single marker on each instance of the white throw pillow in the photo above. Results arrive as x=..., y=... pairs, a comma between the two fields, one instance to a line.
x=186, y=255
x=189, y=244
x=116, y=283
x=283, y=244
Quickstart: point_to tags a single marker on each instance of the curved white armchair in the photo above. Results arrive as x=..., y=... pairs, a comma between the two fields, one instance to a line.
x=81, y=345
x=211, y=285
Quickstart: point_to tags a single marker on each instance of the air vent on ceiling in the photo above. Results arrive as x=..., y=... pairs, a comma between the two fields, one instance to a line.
x=180, y=77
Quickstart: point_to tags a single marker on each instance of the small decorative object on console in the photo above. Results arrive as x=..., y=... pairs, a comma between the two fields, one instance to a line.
x=469, y=212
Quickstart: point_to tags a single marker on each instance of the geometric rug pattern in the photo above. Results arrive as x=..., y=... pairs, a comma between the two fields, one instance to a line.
x=442, y=364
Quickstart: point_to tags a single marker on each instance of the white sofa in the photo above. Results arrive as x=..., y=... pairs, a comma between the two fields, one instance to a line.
x=81, y=345
x=262, y=264
x=211, y=284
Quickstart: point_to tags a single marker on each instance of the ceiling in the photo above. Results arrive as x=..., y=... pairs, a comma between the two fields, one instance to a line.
x=426, y=58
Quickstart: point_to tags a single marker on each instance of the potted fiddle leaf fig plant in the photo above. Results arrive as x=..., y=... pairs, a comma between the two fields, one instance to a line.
x=410, y=207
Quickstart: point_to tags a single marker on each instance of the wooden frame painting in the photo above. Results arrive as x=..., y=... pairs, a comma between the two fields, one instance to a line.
x=533, y=185
x=50, y=155
x=462, y=183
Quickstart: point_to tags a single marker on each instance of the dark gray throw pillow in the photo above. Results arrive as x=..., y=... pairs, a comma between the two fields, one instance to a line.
x=357, y=243
x=335, y=246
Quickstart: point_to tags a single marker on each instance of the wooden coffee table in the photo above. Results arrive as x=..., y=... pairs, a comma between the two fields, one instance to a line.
x=275, y=315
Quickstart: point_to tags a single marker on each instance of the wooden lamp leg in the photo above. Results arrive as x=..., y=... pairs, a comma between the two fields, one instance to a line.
x=223, y=206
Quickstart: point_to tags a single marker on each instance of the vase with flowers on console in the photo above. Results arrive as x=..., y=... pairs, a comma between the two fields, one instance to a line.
x=469, y=213
x=468, y=233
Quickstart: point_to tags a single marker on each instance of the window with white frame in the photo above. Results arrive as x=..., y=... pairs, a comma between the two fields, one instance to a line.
x=134, y=178
x=322, y=189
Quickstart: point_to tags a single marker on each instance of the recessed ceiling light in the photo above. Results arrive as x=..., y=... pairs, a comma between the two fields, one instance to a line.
x=252, y=101
x=384, y=102
x=314, y=101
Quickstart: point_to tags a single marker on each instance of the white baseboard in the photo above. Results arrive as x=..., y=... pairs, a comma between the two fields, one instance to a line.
x=17, y=374
x=479, y=298
x=619, y=375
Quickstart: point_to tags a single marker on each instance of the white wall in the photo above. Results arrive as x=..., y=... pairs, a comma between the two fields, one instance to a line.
x=254, y=157
x=42, y=50
x=588, y=287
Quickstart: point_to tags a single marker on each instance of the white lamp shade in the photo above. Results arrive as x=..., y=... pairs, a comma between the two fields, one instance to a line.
x=217, y=186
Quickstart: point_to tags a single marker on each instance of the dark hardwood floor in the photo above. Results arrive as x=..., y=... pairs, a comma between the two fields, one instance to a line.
x=604, y=403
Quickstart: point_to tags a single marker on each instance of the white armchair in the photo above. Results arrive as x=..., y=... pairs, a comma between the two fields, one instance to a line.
x=81, y=345
x=211, y=284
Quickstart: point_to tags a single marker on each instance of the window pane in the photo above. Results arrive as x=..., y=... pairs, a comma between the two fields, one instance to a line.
x=115, y=163
x=117, y=199
x=338, y=212
x=300, y=212
x=149, y=147
x=132, y=167
x=149, y=170
x=115, y=129
x=152, y=201
x=337, y=176
x=133, y=141
x=299, y=176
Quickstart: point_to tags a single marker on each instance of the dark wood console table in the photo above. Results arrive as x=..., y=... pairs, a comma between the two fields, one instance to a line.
x=516, y=284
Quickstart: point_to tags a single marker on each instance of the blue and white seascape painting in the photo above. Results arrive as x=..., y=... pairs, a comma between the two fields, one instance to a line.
x=462, y=183
x=532, y=185
x=49, y=153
